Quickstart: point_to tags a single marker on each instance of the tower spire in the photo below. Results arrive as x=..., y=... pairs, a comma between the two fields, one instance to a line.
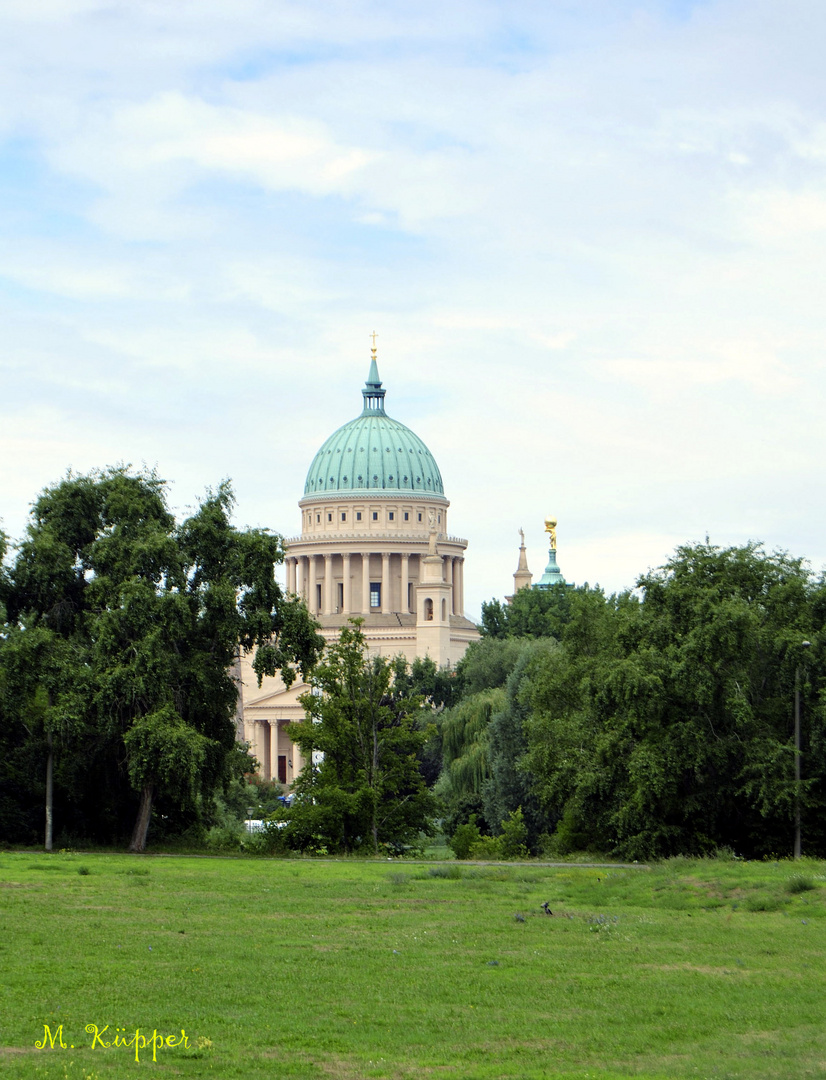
x=523, y=577
x=373, y=393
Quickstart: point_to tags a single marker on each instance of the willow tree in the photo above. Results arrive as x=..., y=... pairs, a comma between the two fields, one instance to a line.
x=466, y=761
x=154, y=614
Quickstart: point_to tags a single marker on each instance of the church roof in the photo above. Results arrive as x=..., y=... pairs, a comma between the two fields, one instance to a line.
x=374, y=453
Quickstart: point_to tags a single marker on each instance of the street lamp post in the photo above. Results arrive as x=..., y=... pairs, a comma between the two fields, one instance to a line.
x=804, y=645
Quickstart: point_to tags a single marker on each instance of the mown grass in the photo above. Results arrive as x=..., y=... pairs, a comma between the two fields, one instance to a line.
x=302, y=969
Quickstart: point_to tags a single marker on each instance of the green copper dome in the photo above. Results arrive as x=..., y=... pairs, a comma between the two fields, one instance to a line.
x=374, y=453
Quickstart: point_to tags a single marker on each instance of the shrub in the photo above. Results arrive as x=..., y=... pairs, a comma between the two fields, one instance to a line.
x=464, y=838
x=225, y=837
x=569, y=835
x=271, y=840
x=514, y=838
x=763, y=902
x=800, y=883
x=450, y=871
x=487, y=847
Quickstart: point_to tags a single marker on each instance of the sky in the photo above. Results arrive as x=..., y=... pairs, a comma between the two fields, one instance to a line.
x=590, y=234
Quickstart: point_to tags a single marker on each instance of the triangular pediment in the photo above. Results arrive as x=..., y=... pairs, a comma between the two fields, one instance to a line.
x=278, y=697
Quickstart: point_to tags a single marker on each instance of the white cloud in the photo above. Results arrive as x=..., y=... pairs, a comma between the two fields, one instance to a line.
x=590, y=238
x=779, y=217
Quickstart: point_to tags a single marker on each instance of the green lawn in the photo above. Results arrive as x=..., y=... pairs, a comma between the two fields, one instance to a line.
x=293, y=968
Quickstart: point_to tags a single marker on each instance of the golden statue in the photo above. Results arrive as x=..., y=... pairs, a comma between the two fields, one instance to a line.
x=550, y=529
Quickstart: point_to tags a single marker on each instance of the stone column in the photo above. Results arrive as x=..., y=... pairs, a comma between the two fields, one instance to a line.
x=405, y=580
x=461, y=610
x=291, y=574
x=385, y=583
x=266, y=764
x=454, y=578
x=300, y=586
x=328, y=584
x=347, y=600
x=311, y=597
x=365, y=583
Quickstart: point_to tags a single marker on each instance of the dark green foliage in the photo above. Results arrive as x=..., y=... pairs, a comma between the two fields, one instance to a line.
x=465, y=837
x=368, y=791
x=510, y=784
x=487, y=665
x=465, y=731
x=437, y=686
x=459, y=810
x=124, y=631
x=531, y=613
x=665, y=726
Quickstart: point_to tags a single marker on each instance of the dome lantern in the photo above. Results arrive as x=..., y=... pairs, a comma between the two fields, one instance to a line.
x=372, y=392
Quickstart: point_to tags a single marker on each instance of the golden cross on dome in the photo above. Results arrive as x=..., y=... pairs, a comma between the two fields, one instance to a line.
x=374, y=335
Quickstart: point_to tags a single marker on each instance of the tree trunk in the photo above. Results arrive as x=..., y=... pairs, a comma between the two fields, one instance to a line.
x=49, y=790
x=374, y=783
x=142, y=824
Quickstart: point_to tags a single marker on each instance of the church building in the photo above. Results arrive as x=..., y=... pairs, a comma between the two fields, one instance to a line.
x=375, y=544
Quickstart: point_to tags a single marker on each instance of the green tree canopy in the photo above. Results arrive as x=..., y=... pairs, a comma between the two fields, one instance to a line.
x=510, y=786
x=665, y=726
x=466, y=760
x=130, y=625
x=530, y=613
x=362, y=786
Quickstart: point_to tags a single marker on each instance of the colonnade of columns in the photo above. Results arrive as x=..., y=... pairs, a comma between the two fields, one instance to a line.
x=306, y=572
x=275, y=751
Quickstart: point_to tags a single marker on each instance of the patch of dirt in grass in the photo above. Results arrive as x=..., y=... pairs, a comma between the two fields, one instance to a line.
x=339, y=1067
x=712, y=888
x=342, y=1069
x=540, y=1045
x=701, y=969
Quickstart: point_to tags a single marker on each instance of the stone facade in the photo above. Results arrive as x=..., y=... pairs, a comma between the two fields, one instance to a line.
x=374, y=543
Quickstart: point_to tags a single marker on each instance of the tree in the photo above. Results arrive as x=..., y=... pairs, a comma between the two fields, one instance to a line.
x=362, y=786
x=665, y=726
x=531, y=613
x=153, y=614
x=4, y=577
x=465, y=731
x=46, y=689
x=510, y=786
x=487, y=665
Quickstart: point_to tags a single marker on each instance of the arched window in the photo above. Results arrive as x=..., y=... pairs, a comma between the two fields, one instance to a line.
x=428, y=610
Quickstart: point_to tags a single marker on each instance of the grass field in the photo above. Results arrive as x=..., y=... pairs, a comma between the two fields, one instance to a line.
x=305, y=969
